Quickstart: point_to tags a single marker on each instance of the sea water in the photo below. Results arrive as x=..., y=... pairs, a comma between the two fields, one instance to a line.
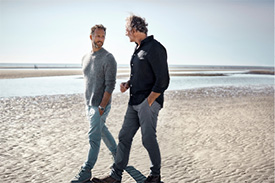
x=35, y=86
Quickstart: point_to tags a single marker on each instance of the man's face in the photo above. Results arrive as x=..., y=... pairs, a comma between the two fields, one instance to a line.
x=130, y=33
x=98, y=38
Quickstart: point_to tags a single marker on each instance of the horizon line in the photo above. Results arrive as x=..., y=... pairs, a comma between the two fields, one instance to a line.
x=74, y=65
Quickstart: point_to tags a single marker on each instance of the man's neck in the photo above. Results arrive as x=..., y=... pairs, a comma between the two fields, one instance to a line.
x=140, y=37
x=96, y=49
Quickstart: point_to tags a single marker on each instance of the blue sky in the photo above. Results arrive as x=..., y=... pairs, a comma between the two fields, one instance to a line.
x=194, y=32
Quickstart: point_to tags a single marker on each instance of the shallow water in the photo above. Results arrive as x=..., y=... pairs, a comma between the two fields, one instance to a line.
x=74, y=84
x=190, y=82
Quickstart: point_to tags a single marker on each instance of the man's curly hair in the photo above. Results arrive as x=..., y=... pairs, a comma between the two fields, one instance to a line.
x=138, y=23
x=99, y=26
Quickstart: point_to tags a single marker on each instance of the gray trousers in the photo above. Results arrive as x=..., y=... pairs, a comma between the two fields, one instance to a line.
x=145, y=117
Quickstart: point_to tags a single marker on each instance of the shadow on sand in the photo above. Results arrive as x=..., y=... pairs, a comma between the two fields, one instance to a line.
x=137, y=175
x=133, y=172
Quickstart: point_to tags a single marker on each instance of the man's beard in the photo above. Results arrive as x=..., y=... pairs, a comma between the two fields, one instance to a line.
x=96, y=45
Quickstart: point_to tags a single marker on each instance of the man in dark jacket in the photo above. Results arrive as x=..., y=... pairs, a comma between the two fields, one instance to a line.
x=148, y=81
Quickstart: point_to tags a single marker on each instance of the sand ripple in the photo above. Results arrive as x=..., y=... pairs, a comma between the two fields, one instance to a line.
x=205, y=135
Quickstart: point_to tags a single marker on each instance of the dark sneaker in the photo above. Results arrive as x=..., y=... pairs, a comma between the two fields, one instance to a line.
x=108, y=179
x=84, y=175
x=153, y=179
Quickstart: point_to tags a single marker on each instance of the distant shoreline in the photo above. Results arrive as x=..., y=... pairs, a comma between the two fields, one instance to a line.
x=126, y=66
x=124, y=72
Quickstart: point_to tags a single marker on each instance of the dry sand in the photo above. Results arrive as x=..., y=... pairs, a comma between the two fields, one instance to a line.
x=206, y=135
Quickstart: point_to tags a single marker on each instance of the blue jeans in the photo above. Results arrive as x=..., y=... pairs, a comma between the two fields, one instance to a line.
x=98, y=131
x=145, y=117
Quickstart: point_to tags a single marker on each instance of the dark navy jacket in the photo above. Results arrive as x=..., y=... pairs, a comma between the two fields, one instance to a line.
x=149, y=71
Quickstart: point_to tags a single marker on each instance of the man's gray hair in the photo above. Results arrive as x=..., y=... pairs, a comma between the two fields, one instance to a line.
x=138, y=23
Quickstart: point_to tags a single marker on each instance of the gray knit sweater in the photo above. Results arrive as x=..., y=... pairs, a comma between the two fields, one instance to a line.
x=99, y=70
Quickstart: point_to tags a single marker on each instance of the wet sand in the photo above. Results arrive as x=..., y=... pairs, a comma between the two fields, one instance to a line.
x=23, y=73
x=205, y=135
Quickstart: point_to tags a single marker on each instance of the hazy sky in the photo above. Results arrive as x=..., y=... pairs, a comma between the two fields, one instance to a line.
x=194, y=32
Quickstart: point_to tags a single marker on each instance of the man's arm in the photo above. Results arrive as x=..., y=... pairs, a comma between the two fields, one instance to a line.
x=110, y=81
x=158, y=61
x=104, y=102
x=152, y=97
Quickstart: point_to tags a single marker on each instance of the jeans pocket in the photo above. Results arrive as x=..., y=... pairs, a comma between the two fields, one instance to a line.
x=91, y=112
x=145, y=102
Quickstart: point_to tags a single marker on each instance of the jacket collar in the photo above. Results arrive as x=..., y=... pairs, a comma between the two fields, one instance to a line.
x=146, y=40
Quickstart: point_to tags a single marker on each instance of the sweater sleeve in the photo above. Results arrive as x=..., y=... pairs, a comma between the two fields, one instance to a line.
x=110, y=70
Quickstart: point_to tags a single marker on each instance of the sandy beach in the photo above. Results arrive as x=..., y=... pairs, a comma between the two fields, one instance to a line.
x=210, y=135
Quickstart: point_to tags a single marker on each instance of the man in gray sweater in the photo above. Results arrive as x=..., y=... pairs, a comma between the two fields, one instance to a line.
x=99, y=69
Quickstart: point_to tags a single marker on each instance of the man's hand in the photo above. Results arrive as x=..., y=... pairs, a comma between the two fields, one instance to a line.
x=124, y=87
x=152, y=97
x=150, y=101
x=104, y=102
x=100, y=112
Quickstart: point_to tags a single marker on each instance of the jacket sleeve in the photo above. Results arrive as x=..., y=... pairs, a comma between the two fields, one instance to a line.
x=158, y=61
